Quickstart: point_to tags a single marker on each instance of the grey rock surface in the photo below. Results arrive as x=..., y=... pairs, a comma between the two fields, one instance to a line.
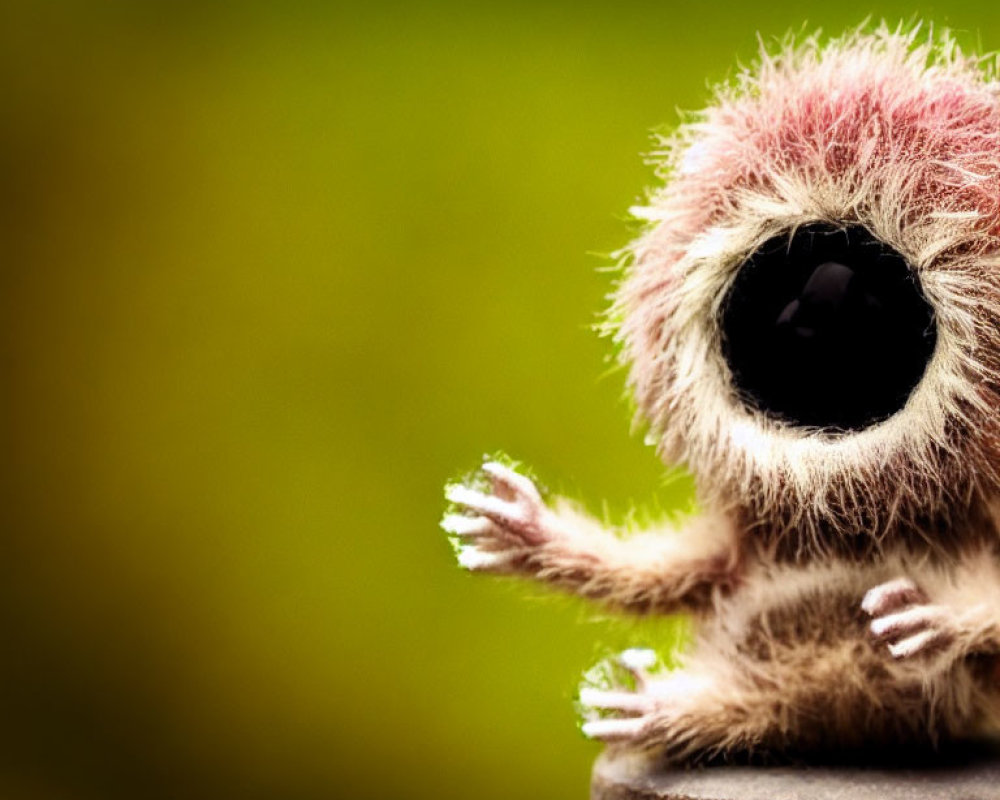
x=630, y=777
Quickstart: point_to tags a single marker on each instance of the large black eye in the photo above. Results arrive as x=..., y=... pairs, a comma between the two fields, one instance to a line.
x=827, y=327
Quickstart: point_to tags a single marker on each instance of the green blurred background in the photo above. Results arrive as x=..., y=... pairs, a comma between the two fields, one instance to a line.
x=273, y=273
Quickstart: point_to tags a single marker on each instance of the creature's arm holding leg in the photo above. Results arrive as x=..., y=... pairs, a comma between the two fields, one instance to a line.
x=960, y=616
x=511, y=530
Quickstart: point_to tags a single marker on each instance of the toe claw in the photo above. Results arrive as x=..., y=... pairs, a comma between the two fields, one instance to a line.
x=624, y=702
x=892, y=595
x=915, y=644
x=638, y=662
x=638, y=659
x=462, y=525
x=475, y=559
x=520, y=485
x=902, y=623
x=612, y=730
x=501, y=511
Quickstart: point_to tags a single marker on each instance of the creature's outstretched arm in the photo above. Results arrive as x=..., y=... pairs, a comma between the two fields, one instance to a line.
x=511, y=530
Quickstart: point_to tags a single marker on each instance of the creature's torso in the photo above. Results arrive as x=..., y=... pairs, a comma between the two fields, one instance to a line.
x=798, y=624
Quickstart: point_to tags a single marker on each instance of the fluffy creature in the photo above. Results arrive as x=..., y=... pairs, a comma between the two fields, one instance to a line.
x=811, y=321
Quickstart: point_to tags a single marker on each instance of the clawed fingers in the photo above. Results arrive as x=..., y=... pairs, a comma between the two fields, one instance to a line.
x=613, y=710
x=905, y=621
x=514, y=506
x=494, y=529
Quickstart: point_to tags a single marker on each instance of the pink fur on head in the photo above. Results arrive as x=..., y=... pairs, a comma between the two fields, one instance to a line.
x=898, y=131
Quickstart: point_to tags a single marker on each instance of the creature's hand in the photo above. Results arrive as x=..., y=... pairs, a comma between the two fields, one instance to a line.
x=650, y=712
x=619, y=714
x=904, y=619
x=505, y=524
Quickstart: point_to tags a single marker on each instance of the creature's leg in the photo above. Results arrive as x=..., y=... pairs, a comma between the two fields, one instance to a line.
x=511, y=530
x=683, y=715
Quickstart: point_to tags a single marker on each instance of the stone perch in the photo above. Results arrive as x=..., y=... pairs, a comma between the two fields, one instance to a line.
x=630, y=777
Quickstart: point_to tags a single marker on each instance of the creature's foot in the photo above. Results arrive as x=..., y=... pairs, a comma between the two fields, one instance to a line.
x=655, y=713
x=903, y=618
x=498, y=527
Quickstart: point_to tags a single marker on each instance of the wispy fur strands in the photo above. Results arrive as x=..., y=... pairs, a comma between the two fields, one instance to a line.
x=897, y=131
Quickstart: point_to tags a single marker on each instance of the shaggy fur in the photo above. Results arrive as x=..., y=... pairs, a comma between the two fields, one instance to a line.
x=847, y=584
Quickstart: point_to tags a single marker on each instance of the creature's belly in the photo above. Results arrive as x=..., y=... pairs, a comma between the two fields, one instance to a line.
x=815, y=604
